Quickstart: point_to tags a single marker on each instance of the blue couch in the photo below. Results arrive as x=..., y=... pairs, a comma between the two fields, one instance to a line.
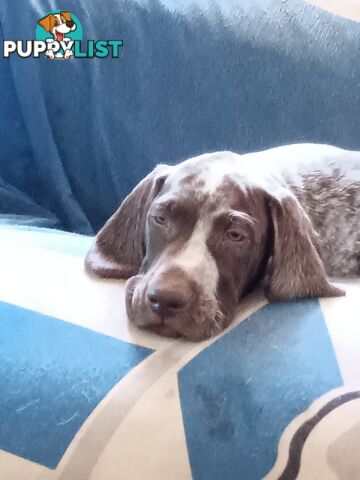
x=193, y=76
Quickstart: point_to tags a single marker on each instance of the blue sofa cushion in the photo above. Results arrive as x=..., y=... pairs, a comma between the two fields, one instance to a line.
x=197, y=76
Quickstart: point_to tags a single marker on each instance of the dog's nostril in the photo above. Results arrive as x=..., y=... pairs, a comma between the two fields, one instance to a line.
x=165, y=302
x=175, y=305
x=152, y=298
x=155, y=305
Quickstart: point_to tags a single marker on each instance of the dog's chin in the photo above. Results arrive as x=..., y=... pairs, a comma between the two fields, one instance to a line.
x=162, y=330
x=194, y=327
x=178, y=331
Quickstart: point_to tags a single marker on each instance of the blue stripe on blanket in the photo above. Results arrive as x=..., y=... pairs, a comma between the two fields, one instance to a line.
x=52, y=376
x=240, y=393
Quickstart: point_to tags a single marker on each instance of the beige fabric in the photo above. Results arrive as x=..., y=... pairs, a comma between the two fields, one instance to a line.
x=345, y=8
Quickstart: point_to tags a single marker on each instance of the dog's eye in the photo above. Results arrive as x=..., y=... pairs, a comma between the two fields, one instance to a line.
x=56, y=23
x=159, y=219
x=235, y=236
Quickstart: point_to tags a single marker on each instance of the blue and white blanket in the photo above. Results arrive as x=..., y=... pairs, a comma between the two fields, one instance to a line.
x=84, y=395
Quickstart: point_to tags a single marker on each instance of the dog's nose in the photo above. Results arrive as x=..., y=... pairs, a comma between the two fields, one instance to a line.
x=169, y=294
x=165, y=302
x=70, y=23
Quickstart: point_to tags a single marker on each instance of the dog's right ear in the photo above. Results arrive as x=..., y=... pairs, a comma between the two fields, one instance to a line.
x=45, y=23
x=296, y=269
x=118, y=249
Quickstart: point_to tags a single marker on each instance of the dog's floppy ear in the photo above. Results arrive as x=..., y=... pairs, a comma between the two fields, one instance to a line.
x=67, y=16
x=118, y=249
x=295, y=269
x=46, y=22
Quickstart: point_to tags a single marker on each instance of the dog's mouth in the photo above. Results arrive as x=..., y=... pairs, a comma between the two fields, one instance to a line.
x=59, y=36
x=196, y=327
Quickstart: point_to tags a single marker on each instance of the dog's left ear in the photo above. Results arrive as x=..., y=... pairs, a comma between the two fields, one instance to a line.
x=118, y=249
x=45, y=23
x=67, y=16
x=295, y=270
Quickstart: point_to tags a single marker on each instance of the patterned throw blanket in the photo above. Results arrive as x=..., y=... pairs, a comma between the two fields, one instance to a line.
x=84, y=395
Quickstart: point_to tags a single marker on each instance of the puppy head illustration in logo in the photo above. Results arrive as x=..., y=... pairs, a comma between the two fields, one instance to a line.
x=59, y=34
x=58, y=27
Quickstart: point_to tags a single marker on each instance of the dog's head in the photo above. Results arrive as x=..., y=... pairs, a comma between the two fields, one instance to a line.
x=58, y=24
x=194, y=238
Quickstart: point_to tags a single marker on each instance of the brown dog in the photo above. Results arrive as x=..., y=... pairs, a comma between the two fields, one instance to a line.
x=197, y=236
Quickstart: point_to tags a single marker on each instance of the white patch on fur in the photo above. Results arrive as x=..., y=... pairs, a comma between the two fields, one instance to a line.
x=216, y=167
x=273, y=170
x=213, y=168
x=196, y=260
x=242, y=216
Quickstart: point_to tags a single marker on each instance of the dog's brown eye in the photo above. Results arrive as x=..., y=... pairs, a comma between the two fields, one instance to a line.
x=159, y=219
x=56, y=23
x=235, y=236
